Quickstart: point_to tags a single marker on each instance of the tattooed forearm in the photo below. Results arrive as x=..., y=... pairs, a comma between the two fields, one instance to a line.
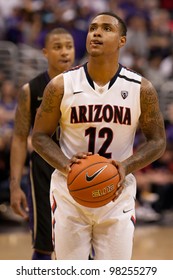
x=23, y=115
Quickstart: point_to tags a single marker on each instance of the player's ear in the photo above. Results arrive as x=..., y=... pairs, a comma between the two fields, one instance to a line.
x=122, y=41
x=44, y=51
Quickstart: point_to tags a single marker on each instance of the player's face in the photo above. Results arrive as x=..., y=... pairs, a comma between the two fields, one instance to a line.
x=60, y=52
x=104, y=36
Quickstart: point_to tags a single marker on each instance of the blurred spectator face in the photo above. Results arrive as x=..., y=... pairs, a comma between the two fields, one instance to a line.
x=60, y=52
x=7, y=105
x=7, y=6
x=152, y=4
x=160, y=21
x=8, y=91
x=138, y=23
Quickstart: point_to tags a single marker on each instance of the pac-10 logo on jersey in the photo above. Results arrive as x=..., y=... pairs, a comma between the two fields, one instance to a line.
x=124, y=94
x=103, y=191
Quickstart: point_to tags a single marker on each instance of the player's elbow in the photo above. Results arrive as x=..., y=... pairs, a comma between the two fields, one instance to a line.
x=161, y=146
x=37, y=141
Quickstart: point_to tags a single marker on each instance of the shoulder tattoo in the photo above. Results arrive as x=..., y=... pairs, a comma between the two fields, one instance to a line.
x=48, y=104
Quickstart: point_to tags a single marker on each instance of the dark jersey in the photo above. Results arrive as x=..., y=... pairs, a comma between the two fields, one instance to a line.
x=37, y=86
x=40, y=171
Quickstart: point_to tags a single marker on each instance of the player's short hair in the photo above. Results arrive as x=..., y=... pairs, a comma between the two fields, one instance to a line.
x=56, y=31
x=121, y=22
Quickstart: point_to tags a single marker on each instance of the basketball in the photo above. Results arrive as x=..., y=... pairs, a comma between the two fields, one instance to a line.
x=93, y=182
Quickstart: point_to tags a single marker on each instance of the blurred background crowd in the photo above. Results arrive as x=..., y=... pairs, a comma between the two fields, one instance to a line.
x=149, y=51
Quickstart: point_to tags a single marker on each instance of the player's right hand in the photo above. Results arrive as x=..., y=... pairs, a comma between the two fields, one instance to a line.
x=18, y=203
x=77, y=158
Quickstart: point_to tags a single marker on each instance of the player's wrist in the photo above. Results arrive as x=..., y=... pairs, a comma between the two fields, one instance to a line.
x=14, y=184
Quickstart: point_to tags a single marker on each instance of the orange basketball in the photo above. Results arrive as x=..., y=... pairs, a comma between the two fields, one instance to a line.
x=93, y=182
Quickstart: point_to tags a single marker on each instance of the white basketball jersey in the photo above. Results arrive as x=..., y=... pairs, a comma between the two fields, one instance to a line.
x=101, y=120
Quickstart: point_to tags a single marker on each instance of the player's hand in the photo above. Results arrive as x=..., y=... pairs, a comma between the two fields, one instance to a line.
x=77, y=158
x=18, y=203
x=118, y=192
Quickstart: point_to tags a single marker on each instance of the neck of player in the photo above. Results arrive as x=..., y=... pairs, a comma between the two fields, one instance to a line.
x=102, y=71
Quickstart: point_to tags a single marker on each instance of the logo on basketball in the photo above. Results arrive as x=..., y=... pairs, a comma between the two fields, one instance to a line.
x=90, y=178
x=103, y=191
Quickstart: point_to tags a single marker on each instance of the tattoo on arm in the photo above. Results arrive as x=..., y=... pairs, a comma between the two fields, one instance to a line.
x=23, y=115
x=151, y=119
x=48, y=103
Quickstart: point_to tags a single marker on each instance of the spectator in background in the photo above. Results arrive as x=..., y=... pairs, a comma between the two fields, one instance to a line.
x=6, y=7
x=166, y=66
x=168, y=5
x=160, y=32
x=8, y=102
x=137, y=34
x=136, y=49
x=14, y=31
x=152, y=69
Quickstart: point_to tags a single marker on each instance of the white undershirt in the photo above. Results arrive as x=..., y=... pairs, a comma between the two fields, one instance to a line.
x=101, y=89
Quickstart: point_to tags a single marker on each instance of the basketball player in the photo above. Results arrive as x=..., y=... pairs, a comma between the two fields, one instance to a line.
x=99, y=106
x=59, y=51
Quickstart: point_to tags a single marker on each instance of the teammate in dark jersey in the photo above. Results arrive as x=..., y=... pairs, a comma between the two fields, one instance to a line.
x=60, y=53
